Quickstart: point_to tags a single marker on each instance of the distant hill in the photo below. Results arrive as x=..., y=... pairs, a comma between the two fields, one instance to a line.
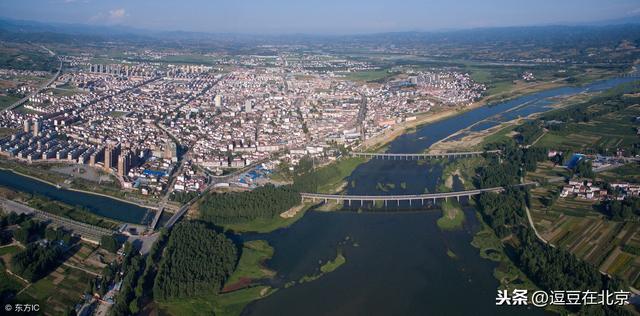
x=609, y=32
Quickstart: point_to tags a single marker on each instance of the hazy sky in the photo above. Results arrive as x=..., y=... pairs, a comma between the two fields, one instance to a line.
x=316, y=16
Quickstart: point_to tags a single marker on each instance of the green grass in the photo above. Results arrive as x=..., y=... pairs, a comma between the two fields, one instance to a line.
x=117, y=113
x=230, y=304
x=629, y=172
x=9, y=250
x=451, y=254
x=491, y=248
x=56, y=298
x=9, y=283
x=330, y=182
x=250, y=266
x=7, y=100
x=499, y=136
x=452, y=216
x=334, y=264
x=369, y=75
x=266, y=225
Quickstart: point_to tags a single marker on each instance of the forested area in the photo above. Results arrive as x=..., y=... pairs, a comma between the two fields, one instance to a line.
x=610, y=101
x=621, y=210
x=237, y=207
x=126, y=301
x=197, y=261
x=183, y=197
x=36, y=261
x=510, y=166
x=110, y=243
x=528, y=132
x=548, y=267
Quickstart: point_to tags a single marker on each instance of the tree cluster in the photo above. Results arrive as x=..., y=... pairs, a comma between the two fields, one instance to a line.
x=197, y=261
x=528, y=132
x=621, y=210
x=548, y=267
x=237, y=207
x=35, y=262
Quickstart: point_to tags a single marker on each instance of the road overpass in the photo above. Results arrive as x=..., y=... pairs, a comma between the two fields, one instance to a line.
x=421, y=198
x=394, y=156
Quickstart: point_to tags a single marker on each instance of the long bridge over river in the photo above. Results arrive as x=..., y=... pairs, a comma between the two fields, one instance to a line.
x=393, y=156
x=418, y=198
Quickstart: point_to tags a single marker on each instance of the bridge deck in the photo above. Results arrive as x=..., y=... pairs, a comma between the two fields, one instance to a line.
x=406, y=197
x=426, y=155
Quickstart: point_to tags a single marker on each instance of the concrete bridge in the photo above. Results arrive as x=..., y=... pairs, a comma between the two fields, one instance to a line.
x=419, y=198
x=392, y=156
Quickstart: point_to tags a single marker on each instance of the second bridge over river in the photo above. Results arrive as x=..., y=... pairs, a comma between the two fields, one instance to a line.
x=395, y=156
x=418, y=198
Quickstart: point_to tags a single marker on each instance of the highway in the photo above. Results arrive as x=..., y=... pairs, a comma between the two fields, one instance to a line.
x=40, y=89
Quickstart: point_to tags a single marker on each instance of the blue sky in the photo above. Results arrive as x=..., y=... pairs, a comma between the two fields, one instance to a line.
x=317, y=16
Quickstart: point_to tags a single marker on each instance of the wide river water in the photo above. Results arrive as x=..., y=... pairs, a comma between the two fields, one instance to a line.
x=397, y=262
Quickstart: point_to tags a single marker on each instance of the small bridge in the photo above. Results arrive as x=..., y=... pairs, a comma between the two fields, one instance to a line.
x=392, y=156
x=421, y=198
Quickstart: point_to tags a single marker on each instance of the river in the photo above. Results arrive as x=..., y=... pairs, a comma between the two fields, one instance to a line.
x=99, y=205
x=397, y=262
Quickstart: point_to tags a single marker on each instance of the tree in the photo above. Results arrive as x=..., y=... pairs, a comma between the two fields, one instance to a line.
x=237, y=207
x=197, y=261
x=109, y=243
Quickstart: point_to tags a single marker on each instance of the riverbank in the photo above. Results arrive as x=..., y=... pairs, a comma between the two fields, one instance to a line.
x=61, y=187
x=99, y=205
x=379, y=142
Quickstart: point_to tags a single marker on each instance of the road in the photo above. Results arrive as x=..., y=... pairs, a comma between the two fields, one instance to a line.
x=40, y=89
x=406, y=197
x=86, y=231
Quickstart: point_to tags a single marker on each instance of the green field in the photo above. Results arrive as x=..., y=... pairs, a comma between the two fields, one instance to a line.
x=265, y=225
x=368, y=76
x=334, y=264
x=13, y=249
x=330, y=181
x=7, y=100
x=229, y=304
x=250, y=266
x=491, y=248
x=58, y=291
x=452, y=216
x=629, y=172
x=608, y=131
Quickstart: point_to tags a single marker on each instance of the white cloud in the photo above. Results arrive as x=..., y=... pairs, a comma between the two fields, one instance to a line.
x=111, y=17
x=117, y=15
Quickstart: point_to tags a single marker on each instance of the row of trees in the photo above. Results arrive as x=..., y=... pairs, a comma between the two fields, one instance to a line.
x=36, y=261
x=510, y=166
x=548, y=267
x=237, y=207
x=197, y=260
x=610, y=101
x=621, y=210
x=126, y=302
x=529, y=132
